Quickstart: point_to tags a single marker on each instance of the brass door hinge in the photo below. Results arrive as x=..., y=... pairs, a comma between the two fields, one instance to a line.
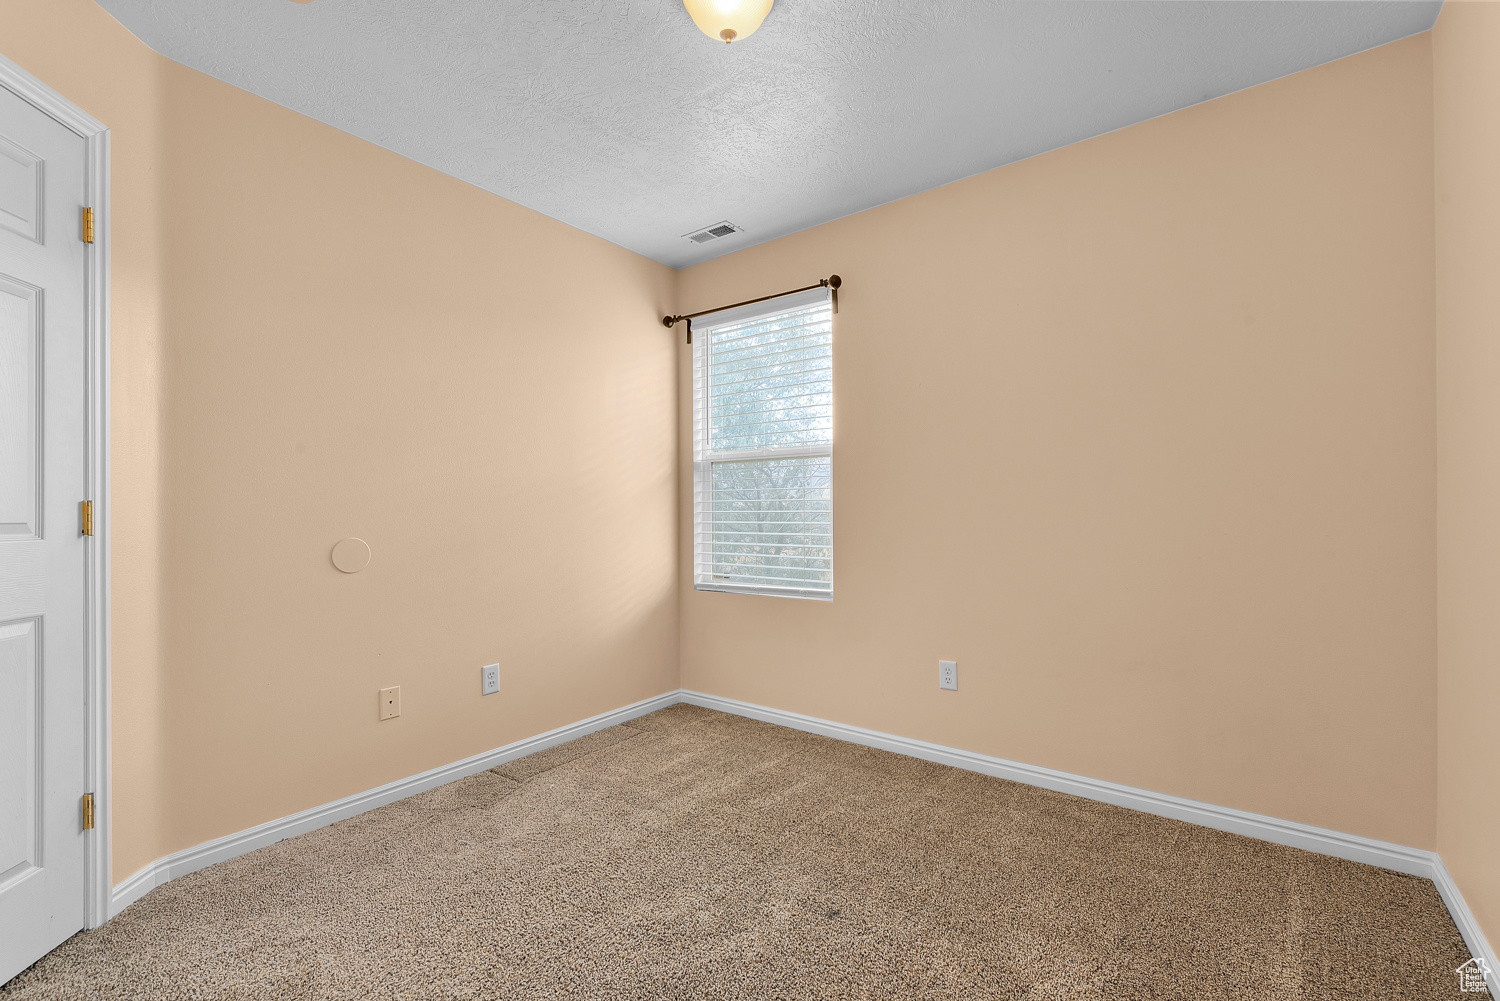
x=88, y=811
x=88, y=225
x=86, y=516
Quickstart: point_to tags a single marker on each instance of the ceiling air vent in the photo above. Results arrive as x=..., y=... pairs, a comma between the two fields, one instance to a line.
x=717, y=231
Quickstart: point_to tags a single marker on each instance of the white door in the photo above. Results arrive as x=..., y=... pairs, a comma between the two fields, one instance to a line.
x=43, y=681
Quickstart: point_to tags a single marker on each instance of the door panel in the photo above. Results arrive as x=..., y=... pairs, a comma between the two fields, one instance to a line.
x=43, y=461
x=20, y=190
x=20, y=704
x=20, y=404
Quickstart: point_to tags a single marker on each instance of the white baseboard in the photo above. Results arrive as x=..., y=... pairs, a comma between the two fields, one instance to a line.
x=1400, y=858
x=1222, y=818
x=1479, y=947
x=191, y=859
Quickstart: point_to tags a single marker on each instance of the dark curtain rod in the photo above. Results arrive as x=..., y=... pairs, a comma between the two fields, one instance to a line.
x=831, y=282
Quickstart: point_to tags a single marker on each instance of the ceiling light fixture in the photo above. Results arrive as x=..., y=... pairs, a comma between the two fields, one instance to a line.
x=728, y=20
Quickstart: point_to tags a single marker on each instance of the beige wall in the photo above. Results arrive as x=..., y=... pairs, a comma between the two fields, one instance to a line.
x=1141, y=433
x=1466, y=91
x=315, y=338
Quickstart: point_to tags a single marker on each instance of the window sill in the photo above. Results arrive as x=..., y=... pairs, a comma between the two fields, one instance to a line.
x=766, y=592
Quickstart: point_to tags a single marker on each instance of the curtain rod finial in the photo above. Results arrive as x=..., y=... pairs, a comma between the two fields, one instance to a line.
x=834, y=282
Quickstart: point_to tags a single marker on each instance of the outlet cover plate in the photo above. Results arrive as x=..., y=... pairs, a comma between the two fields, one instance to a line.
x=948, y=675
x=390, y=702
x=489, y=679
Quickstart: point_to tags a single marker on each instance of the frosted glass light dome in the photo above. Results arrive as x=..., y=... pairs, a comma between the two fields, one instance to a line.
x=728, y=20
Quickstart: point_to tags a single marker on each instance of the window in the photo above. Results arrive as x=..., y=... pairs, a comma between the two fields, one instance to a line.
x=763, y=448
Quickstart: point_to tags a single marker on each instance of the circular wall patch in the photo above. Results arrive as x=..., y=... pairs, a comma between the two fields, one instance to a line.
x=351, y=555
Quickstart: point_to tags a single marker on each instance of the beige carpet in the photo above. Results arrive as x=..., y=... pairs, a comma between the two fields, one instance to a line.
x=695, y=855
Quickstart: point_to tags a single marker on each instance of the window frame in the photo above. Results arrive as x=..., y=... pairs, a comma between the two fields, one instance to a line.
x=704, y=460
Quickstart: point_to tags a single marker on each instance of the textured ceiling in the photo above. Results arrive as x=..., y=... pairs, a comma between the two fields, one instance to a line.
x=620, y=118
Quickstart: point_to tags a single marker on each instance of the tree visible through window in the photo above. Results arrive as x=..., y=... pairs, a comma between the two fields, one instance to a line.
x=763, y=454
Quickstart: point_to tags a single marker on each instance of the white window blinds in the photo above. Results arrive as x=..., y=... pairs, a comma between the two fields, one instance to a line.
x=763, y=448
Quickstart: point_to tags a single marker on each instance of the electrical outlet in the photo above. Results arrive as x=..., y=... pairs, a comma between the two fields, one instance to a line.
x=948, y=675
x=489, y=679
x=390, y=702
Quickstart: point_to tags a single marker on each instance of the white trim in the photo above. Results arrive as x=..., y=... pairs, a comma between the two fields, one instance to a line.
x=98, y=556
x=191, y=859
x=1353, y=847
x=765, y=591
x=97, y=615
x=32, y=90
